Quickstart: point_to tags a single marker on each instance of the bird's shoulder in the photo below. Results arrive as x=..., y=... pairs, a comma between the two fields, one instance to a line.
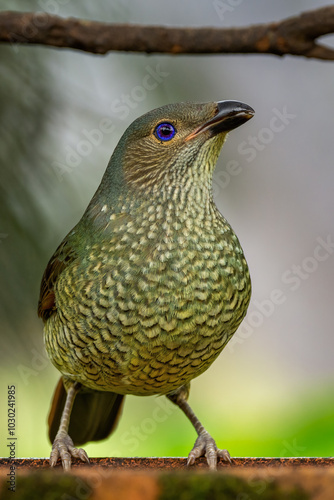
x=70, y=251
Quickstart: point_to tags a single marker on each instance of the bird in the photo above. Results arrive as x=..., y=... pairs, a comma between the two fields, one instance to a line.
x=146, y=290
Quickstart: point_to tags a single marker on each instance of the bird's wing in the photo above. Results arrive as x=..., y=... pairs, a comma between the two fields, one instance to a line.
x=63, y=256
x=66, y=255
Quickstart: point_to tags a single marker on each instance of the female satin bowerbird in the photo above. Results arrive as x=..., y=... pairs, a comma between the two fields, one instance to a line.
x=147, y=289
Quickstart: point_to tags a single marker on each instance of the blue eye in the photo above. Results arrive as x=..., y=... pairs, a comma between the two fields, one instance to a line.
x=165, y=131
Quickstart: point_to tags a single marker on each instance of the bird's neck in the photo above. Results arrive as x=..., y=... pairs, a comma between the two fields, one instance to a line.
x=186, y=198
x=182, y=194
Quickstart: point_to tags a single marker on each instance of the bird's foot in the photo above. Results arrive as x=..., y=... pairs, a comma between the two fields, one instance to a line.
x=205, y=445
x=64, y=449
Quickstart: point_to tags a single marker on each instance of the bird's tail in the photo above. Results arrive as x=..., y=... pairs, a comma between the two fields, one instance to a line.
x=94, y=414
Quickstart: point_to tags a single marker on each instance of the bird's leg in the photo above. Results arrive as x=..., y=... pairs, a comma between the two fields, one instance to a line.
x=63, y=445
x=204, y=444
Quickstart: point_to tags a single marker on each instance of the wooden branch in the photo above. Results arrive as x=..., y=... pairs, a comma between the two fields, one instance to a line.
x=295, y=35
x=157, y=478
x=170, y=463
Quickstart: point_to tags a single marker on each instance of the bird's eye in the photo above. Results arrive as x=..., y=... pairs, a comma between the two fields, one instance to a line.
x=165, y=131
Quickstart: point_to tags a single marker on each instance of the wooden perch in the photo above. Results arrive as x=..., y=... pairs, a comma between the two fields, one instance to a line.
x=295, y=35
x=162, y=478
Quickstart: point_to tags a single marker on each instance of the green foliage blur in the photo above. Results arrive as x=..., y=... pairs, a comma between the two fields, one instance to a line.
x=271, y=393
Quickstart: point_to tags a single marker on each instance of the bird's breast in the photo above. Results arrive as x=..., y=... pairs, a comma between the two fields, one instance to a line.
x=151, y=305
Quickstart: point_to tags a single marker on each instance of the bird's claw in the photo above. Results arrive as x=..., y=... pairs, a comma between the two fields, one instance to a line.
x=205, y=446
x=64, y=449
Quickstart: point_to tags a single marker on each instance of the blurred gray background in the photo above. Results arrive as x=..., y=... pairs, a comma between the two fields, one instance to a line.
x=270, y=393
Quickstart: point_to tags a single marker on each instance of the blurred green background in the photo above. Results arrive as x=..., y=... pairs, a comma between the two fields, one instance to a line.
x=270, y=393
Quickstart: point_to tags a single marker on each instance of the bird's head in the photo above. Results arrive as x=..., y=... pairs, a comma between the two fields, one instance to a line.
x=174, y=144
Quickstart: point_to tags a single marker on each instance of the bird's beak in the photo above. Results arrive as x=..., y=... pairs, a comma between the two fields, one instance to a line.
x=230, y=114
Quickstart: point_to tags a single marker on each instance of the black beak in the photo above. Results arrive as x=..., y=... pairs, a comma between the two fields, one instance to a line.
x=230, y=115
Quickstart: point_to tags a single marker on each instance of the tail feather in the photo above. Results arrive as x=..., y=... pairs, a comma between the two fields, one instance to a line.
x=94, y=414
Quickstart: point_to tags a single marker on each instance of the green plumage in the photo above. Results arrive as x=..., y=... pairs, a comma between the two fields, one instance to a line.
x=147, y=289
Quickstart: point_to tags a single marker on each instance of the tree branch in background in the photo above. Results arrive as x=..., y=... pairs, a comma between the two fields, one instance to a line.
x=295, y=36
